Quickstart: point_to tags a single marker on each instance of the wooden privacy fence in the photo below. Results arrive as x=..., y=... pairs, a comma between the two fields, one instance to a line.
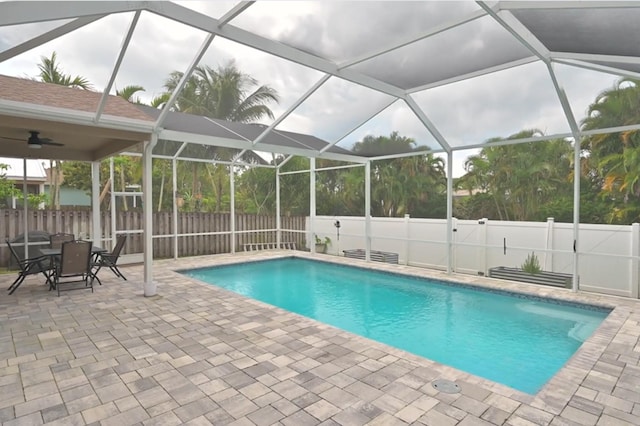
x=249, y=229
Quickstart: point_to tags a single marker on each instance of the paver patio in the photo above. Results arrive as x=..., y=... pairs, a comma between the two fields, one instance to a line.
x=196, y=354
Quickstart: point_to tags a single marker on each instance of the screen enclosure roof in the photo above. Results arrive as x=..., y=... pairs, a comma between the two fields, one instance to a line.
x=449, y=75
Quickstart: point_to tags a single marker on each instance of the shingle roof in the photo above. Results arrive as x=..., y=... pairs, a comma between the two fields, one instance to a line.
x=188, y=123
x=55, y=95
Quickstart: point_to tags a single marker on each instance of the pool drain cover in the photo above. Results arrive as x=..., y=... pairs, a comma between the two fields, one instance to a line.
x=446, y=386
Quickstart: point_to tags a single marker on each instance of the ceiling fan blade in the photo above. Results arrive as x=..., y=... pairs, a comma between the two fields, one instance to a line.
x=49, y=142
x=11, y=139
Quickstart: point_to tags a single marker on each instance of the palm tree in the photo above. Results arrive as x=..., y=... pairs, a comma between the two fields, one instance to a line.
x=520, y=178
x=403, y=185
x=50, y=72
x=128, y=93
x=614, y=158
x=224, y=93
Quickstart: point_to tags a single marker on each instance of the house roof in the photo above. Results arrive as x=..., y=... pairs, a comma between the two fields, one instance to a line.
x=236, y=133
x=66, y=115
x=15, y=169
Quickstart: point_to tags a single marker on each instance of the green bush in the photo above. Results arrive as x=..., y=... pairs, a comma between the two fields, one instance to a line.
x=531, y=264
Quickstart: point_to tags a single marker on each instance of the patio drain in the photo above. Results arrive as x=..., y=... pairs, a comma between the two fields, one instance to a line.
x=446, y=386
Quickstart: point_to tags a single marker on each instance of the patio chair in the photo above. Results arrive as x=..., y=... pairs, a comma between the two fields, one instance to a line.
x=56, y=240
x=110, y=260
x=74, y=267
x=31, y=266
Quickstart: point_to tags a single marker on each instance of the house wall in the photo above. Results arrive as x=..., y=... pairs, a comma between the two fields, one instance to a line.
x=608, y=254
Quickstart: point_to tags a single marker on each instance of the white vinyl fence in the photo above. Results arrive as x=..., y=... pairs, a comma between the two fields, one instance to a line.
x=608, y=254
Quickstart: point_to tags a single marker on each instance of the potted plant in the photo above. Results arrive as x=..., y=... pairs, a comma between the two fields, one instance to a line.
x=322, y=243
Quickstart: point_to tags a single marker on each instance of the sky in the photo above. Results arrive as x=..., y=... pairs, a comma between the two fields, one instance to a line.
x=465, y=113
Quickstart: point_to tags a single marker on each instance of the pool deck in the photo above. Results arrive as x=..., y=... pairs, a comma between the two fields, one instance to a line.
x=198, y=355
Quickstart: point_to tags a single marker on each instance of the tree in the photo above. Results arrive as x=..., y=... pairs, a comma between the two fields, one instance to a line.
x=518, y=179
x=614, y=158
x=224, y=93
x=413, y=185
x=50, y=72
x=129, y=93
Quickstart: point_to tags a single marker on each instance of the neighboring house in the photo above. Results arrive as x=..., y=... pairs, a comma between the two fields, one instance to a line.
x=68, y=196
x=39, y=182
x=36, y=177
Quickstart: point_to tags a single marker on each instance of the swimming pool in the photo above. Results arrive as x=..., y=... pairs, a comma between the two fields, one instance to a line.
x=515, y=340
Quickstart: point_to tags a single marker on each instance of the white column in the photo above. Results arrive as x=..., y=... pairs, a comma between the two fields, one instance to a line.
x=96, y=227
x=147, y=210
x=634, y=264
x=407, y=235
x=449, y=210
x=576, y=212
x=482, y=246
x=367, y=210
x=114, y=205
x=312, y=204
x=547, y=264
x=278, y=212
x=232, y=206
x=174, y=175
x=25, y=205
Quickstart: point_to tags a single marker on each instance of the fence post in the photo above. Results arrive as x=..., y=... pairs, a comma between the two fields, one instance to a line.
x=548, y=257
x=407, y=235
x=454, y=248
x=635, y=252
x=482, y=247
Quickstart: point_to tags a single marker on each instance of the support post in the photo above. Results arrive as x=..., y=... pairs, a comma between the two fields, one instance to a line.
x=96, y=224
x=278, y=212
x=576, y=213
x=147, y=209
x=174, y=175
x=635, y=261
x=113, y=204
x=547, y=265
x=449, y=211
x=232, y=206
x=25, y=208
x=312, y=204
x=367, y=210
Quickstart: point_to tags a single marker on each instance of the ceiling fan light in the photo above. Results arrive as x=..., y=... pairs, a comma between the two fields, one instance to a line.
x=35, y=146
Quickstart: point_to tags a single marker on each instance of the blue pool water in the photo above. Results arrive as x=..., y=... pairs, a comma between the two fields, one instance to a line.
x=518, y=341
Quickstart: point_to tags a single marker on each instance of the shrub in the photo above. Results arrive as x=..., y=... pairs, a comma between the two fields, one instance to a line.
x=531, y=264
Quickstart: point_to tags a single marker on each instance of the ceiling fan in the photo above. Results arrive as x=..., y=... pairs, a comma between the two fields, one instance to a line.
x=35, y=141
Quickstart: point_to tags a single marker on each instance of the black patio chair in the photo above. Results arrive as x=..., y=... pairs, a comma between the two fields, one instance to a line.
x=110, y=260
x=56, y=240
x=74, y=267
x=32, y=266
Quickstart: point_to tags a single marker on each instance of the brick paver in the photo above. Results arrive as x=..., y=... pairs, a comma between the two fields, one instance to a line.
x=198, y=354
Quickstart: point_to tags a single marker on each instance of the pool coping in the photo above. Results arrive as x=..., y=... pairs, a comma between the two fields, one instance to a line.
x=552, y=397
